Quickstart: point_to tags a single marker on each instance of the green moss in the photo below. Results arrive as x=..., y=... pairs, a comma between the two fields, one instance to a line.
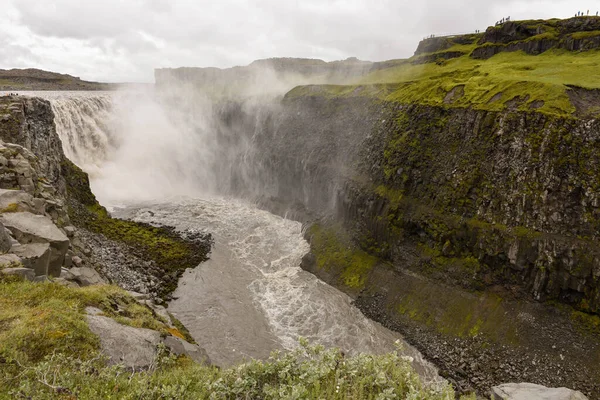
x=585, y=35
x=334, y=251
x=11, y=208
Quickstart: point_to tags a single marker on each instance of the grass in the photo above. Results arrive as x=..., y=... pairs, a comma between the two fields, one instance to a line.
x=488, y=84
x=38, y=319
x=48, y=352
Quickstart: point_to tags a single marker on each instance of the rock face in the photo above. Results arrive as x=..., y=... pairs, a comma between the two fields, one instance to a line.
x=35, y=256
x=30, y=228
x=530, y=391
x=133, y=347
x=137, y=347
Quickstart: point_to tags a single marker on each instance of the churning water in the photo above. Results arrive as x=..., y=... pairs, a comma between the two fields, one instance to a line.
x=251, y=297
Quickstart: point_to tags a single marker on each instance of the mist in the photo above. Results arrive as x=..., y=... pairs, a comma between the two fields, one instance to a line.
x=193, y=135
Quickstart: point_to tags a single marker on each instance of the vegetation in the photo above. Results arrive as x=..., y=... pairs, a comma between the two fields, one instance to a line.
x=488, y=84
x=336, y=252
x=48, y=352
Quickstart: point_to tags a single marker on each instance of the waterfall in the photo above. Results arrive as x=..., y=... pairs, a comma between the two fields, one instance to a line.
x=137, y=145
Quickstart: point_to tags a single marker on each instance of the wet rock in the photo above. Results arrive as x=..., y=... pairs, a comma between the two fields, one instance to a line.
x=530, y=391
x=31, y=228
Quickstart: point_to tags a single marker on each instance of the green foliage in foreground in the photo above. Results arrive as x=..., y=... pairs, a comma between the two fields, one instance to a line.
x=48, y=352
x=310, y=372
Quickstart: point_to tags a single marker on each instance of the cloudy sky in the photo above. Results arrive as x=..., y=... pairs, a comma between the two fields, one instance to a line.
x=124, y=40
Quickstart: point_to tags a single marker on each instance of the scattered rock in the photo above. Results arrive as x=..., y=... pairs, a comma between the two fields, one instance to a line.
x=530, y=391
x=69, y=231
x=64, y=282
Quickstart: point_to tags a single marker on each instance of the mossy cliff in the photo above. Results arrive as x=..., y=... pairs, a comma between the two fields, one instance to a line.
x=453, y=219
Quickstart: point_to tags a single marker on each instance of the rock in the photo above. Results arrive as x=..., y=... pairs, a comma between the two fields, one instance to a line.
x=531, y=391
x=26, y=273
x=138, y=296
x=85, y=276
x=69, y=231
x=41, y=279
x=67, y=283
x=134, y=347
x=31, y=228
x=93, y=311
x=181, y=347
x=8, y=260
x=5, y=240
x=16, y=201
x=35, y=256
x=77, y=261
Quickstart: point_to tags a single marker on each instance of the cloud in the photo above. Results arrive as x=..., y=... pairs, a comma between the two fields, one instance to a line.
x=118, y=40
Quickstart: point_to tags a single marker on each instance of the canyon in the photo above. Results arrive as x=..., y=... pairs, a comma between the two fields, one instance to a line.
x=452, y=198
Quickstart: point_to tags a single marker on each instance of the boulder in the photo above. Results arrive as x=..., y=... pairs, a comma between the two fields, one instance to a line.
x=17, y=200
x=9, y=260
x=26, y=273
x=64, y=282
x=85, y=276
x=31, y=228
x=531, y=391
x=35, y=256
x=133, y=347
x=5, y=240
x=181, y=347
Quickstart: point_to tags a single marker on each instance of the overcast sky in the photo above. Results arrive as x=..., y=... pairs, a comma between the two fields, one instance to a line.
x=124, y=40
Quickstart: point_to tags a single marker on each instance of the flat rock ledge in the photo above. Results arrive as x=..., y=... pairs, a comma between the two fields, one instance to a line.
x=531, y=391
x=136, y=348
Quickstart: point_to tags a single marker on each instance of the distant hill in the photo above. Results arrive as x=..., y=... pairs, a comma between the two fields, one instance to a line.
x=37, y=79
